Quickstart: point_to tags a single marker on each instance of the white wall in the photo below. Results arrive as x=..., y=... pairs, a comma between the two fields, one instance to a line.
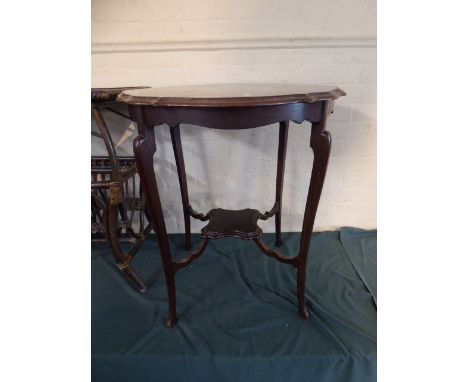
x=181, y=42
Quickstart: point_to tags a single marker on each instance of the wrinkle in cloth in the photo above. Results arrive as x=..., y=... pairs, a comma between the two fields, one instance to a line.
x=237, y=314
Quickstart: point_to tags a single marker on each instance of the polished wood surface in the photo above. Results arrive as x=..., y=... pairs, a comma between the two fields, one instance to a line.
x=232, y=223
x=228, y=95
x=281, y=164
x=231, y=107
x=180, y=164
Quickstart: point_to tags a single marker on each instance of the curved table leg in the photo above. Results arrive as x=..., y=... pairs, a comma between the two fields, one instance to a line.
x=179, y=158
x=144, y=148
x=320, y=142
x=282, y=145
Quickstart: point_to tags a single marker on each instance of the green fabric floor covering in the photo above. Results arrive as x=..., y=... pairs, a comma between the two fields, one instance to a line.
x=361, y=247
x=237, y=314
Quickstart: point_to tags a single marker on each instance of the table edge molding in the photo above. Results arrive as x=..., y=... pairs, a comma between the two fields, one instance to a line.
x=230, y=101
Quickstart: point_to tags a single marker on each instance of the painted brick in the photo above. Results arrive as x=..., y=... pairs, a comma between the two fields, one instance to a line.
x=236, y=169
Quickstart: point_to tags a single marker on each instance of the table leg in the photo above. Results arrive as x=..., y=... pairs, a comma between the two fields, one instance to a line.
x=179, y=158
x=320, y=142
x=282, y=145
x=144, y=148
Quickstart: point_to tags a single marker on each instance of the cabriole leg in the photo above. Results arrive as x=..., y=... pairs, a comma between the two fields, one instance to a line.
x=144, y=148
x=320, y=142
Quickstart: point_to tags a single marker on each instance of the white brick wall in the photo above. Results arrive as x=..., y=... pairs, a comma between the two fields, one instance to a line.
x=161, y=43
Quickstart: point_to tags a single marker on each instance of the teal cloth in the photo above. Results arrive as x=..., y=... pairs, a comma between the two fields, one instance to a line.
x=237, y=313
x=361, y=248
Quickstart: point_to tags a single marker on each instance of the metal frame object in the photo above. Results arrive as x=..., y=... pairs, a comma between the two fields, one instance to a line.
x=115, y=204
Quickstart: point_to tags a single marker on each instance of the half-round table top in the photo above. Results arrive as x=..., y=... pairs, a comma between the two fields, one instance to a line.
x=228, y=95
x=109, y=94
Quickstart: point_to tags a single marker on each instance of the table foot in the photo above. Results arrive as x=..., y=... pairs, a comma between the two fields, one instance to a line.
x=131, y=276
x=171, y=321
x=304, y=313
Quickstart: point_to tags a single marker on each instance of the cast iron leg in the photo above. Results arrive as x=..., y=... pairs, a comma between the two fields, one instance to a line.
x=115, y=207
x=179, y=157
x=144, y=148
x=114, y=159
x=123, y=262
x=320, y=142
x=282, y=145
x=107, y=138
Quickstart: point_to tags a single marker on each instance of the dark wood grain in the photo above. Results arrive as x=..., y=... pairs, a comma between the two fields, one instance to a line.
x=282, y=145
x=276, y=255
x=320, y=142
x=231, y=118
x=232, y=107
x=176, y=265
x=180, y=164
x=144, y=148
x=232, y=223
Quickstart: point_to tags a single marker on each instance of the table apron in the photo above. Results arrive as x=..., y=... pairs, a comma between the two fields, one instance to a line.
x=230, y=118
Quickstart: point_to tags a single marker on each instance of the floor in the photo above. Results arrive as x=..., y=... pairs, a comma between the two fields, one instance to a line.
x=237, y=314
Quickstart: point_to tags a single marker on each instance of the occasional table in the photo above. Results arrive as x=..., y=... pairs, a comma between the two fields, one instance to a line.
x=230, y=107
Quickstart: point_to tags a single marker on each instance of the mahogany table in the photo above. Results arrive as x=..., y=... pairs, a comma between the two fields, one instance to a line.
x=230, y=107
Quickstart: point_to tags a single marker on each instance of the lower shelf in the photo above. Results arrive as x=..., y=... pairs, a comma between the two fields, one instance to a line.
x=232, y=223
